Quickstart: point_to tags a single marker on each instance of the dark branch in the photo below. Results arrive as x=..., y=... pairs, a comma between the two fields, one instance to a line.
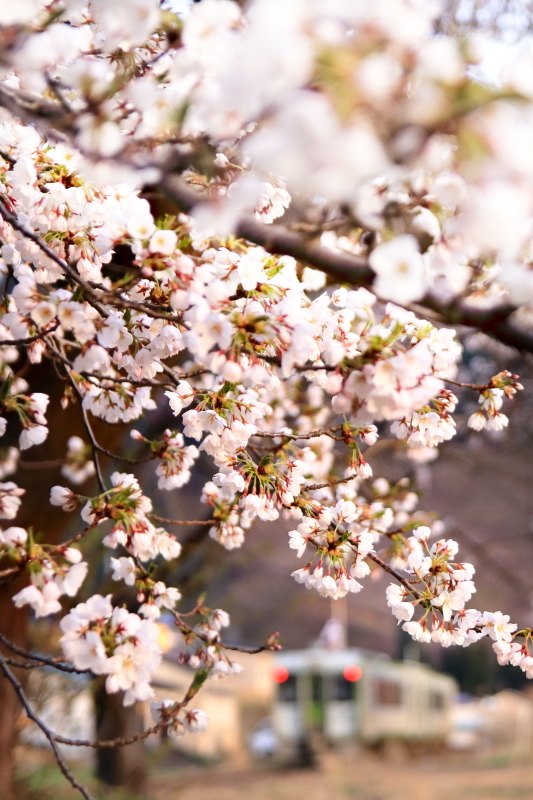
x=311, y=487
x=395, y=574
x=356, y=271
x=40, y=660
x=29, y=339
x=191, y=692
x=309, y=435
x=17, y=686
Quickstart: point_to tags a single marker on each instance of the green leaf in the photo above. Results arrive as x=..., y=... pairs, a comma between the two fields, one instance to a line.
x=5, y=388
x=200, y=678
x=228, y=387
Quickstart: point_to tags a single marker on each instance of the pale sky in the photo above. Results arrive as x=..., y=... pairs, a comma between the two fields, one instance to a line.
x=179, y=6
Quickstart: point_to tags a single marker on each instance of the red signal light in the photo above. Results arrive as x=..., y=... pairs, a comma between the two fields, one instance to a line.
x=353, y=673
x=280, y=674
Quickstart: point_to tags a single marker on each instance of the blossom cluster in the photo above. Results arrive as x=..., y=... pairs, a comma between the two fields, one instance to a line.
x=52, y=573
x=200, y=646
x=113, y=642
x=343, y=536
x=280, y=359
x=440, y=588
x=128, y=509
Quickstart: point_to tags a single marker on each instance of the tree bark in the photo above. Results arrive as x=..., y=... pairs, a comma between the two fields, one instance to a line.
x=48, y=522
x=13, y=624
x=119, y=766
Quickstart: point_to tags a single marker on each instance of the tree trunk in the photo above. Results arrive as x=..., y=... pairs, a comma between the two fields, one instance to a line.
x=13, y=624
x=119, y=766
x=50, y=522
x=47, y=521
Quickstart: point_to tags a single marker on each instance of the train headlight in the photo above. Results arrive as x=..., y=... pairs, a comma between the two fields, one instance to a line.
x=280, y=674
x=353, y=673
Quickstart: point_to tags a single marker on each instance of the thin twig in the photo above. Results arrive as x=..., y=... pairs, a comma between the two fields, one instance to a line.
x=118, y=457
x=78, y=536
x=119, y=742
x=7, y=157
x=90, y=434
x=61, y=763
x=313, y=486
x=310, y=435
x=383, y=564
x=41, y=660
x=476, y=387
x=14, y=662
x=243, y=649
x=146, y=308
x=95, y=448
x=132, y=381
x=11, y=571
x=183, y=521
x=29, y=339
x=40, y=464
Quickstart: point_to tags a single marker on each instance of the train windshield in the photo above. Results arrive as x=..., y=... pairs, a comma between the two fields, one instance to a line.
x=288, y=690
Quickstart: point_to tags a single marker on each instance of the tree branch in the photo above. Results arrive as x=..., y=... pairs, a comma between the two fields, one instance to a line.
x=54, y=737
x=272, y=643
x=40, y=659
x=11, y=571
x=29, y=339
x=12, y=219
x=276, y=239
x=356, y=271
x=17, y=686
x=383, y=564
x=311, y=487
x=310, y=435
x=182, y=521
x=191, y=692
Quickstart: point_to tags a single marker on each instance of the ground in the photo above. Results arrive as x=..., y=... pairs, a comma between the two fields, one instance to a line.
x=347, y=776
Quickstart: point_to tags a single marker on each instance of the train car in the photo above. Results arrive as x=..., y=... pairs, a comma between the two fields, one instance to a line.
x=356, y=695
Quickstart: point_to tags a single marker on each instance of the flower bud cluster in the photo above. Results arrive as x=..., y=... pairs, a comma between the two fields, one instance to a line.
x=343, y=537
x=193, y=721
x=128, y=509
x=31, y=411
x=176, y=458
x=154, y=595
x=200, y=646
x=53, y=572
x=489, y=416
x=440, y=587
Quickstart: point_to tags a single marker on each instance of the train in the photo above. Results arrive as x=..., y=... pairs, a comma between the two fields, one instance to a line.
x=357, y=695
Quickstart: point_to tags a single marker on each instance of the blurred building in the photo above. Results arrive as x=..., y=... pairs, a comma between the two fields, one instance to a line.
x=235, y=705
x=500, y=725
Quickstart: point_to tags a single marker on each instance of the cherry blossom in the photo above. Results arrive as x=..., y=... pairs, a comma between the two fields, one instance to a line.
x=256, y=260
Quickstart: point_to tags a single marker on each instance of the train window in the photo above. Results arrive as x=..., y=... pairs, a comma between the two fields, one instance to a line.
x=436, y=701
x=317, y=688
x=342, y=689
x=287, y=691
x=388, y=693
